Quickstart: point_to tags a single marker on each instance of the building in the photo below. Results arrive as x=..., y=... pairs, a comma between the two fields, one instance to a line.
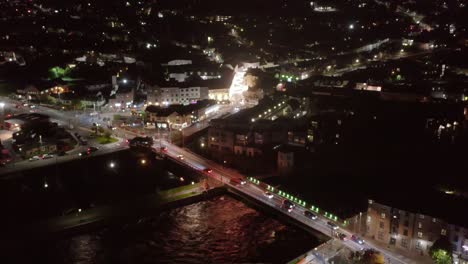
x=179, y=116
x=414, y=232
x=145, y=142
x=285, y=161
x=122, y=98
x=176, y=95
x=219, y=94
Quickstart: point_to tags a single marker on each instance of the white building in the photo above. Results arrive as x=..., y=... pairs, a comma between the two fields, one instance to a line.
x=176, y=95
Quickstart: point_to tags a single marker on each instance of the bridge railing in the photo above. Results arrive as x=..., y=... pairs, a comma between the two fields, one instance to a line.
x=299, y=202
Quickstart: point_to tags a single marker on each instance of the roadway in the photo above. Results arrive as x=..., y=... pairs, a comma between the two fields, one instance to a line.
x=225, y=175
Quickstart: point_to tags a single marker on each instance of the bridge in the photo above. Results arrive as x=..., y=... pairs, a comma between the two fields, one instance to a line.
x=256, y=192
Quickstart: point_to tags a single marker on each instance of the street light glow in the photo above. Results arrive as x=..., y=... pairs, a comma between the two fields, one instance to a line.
x=112, y=165
x=143, y=162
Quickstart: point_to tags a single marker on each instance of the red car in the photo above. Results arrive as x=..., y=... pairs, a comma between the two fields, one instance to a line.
x=208, y=170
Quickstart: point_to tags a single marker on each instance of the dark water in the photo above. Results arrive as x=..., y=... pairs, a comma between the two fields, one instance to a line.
x=219, y=230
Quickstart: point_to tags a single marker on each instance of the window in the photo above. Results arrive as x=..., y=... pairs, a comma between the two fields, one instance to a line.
x=419, y=225
x=381, y=224
x=434, y=220
x=380, y=235
x=406, y=223
x=420, y=234
x=421, y=216
x=418, y=245
x=368, y=219
x=404, y=242
x=382, y=215
x=405, y=232
x=443, y=232
x=455, y=239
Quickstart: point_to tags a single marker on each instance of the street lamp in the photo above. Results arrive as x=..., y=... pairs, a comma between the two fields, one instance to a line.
x=112, y=165
x=143, y=162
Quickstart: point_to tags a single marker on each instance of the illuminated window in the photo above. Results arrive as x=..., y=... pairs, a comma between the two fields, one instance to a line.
x=420, y=234
x=419, y=225
x=443, y=232
x=404, y=242
x=382, y=215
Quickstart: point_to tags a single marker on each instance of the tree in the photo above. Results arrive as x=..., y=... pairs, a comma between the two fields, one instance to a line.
x=76, y=103
x=107, y=134
x=441, y=251
x=369, y=256
x=58, y=72
x=100, y=129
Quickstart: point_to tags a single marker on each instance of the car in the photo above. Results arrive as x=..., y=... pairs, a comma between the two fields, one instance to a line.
x=238, y=181
x=83, y=154
x=208, y=170
x=342, y=236
x=288, y=205
x=47, y=156
x=181, y=157
x=34, y=158
x=332, y=225
x=269, y=195
x=357, y=239
x=92, y=149
x=164, y=149
x=310, y=215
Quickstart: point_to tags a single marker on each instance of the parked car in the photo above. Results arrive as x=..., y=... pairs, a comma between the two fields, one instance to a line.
x=208, y=170
x=47, y=156
x=34, y=158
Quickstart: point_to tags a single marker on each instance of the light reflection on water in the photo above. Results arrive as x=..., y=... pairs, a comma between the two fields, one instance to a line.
x=219, y=230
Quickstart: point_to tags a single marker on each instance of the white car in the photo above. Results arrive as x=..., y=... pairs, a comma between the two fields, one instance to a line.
x=269, y=195
x=47, y=156
x=34, y=158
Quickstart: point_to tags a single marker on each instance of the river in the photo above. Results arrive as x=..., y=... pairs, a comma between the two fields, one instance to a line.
x=218, y=230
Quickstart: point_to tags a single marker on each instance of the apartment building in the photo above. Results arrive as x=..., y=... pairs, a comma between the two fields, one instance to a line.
x=177, y=95
x=414, y=232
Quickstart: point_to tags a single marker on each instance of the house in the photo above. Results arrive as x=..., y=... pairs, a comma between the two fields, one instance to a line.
x=179, y=116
